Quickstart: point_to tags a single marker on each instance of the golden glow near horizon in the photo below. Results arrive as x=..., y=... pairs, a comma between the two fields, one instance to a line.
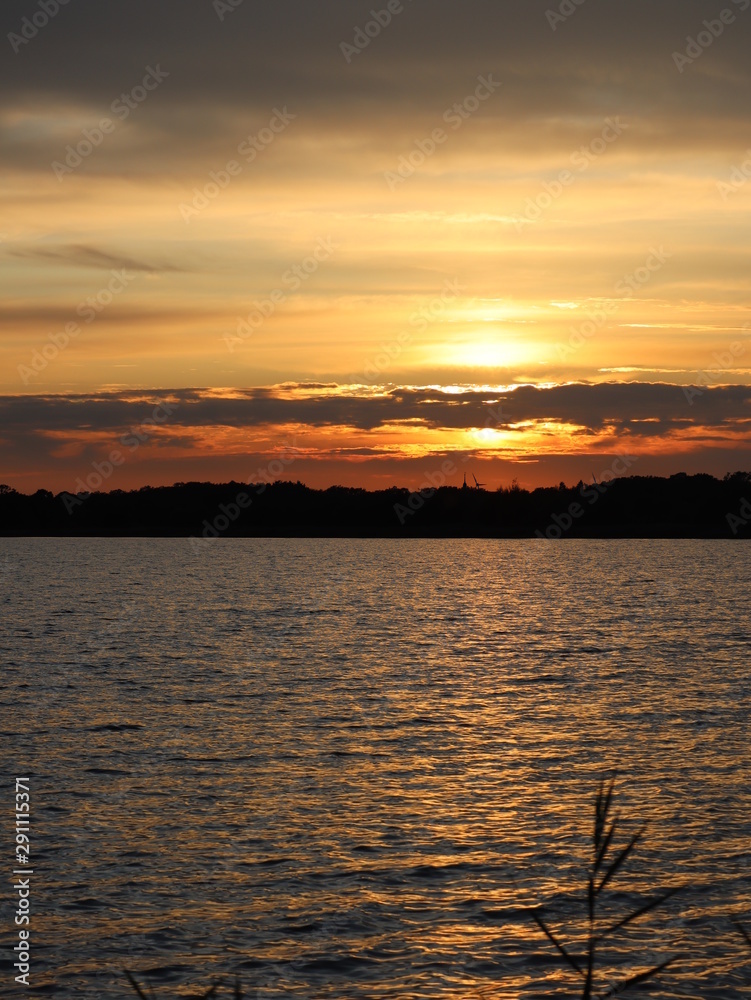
x=200, y=297
x=561, y=232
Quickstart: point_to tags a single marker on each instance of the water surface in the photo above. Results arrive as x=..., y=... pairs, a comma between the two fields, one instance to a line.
x=347, y=769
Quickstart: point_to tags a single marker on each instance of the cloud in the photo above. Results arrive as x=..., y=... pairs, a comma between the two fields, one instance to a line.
x=385, y=435
x=226, y=75
x=89, y=257
x=619, y=407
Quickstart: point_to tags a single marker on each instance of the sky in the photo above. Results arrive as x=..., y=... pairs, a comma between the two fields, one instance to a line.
x=350, y=243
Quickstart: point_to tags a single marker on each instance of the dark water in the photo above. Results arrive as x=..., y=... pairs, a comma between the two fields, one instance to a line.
x=349, y=768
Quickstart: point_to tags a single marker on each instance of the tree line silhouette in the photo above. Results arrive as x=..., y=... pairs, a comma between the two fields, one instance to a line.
x=636, y=506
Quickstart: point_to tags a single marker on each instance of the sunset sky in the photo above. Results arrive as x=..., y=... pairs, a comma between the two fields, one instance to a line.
x=495, y=233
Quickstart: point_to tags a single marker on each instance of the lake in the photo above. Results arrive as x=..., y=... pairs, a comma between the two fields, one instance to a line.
x=349, y=768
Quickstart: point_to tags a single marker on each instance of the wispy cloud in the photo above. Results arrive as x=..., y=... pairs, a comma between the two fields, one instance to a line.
x=72, y=255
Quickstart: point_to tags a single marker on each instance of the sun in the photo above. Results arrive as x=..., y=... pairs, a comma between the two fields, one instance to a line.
x=479, y=350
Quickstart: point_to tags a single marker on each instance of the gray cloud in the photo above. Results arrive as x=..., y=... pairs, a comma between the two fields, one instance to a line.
x=607, y=58
x=719, y=421
x=622, y=407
